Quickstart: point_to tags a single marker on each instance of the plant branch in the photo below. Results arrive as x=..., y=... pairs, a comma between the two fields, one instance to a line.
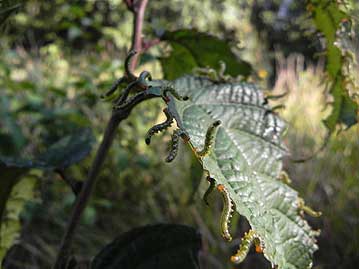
x=83, y=197
x=147, y=44
x=86, y=190
x=138, y=8
x=129, y=4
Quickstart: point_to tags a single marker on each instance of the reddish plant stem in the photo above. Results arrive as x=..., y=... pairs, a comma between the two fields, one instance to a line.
x=146, y=44
x=138, y=9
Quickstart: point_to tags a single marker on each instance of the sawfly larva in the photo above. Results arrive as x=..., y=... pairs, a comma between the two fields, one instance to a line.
x=211, y=187
x=174, y=146
x=175, y=94
x=227, y=212
x=246, y=242
x=159, y=127
x=210, y=138
x=306, y=209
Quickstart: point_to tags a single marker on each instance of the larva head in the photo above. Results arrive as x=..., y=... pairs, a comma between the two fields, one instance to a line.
x=258, y=245
x=184, y=135
x=259, y=249
x=235, y=259
x=220, y=188
x=227, y=237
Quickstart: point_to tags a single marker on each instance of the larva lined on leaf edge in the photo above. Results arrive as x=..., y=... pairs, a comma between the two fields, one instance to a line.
x=227, y=212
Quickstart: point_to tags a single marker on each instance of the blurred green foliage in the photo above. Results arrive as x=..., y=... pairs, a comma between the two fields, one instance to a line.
x=191, y=49
x=327, y=17
x=58, y=57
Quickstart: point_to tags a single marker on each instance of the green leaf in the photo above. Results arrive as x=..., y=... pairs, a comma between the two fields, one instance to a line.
x=348, y=43
x=10, y=225
x=10, y=206
x=68, y=150
x=246, y=159
x=7, y=8
x=327, y=17
x=159, y=246
x=191, y=48
x=10, y=130
x=179, y=62
x=13, y=192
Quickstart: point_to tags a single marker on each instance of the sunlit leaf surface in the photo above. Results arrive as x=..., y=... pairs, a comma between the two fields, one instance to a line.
x=246, y=159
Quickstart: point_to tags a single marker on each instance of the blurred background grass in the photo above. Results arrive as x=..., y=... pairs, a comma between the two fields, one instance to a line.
x=58, y=57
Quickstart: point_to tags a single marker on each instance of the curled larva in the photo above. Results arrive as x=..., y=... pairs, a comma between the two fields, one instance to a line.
x=122, y=98
x=159, y=127
x=283, y=176
x=211, y=187
x=174, y=146
x=112, y=90
x=304, y=208
x=227, y=212
x=145, y=75
x=210, y=138
x=246, y=242
x=128, y=77
x=128, y=65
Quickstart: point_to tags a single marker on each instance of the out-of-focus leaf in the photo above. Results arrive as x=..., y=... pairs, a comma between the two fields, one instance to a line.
x=206, y=51
x=13, y=193
x=146, y=58
x=68, y=150
x=348, y=43
x=11, y=172
x=328, y=17
x=20, y=193
x=159, y=246
x=179, y=62
x=27, y=85
x=246, y=160
x=7, y=8
x=8, y=124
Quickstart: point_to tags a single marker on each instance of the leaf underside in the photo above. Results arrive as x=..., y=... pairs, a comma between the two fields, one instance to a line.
x=246, y=159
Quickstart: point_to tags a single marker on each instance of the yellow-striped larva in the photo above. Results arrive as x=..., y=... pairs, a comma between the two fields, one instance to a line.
x=227, y=212
x=246, y=242
x=210, y=138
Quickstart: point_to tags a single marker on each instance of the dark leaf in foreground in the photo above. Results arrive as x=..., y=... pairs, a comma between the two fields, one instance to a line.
x=159, y=246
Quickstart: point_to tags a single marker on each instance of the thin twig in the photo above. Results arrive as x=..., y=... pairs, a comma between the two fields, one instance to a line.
x=139, y=14
x=147, y=44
